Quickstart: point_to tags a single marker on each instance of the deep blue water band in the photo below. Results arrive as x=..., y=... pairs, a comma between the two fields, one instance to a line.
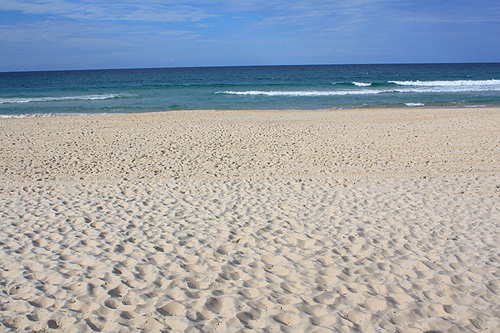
x=261, y=87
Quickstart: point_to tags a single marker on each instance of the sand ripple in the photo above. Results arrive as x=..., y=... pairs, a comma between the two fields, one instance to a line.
x=391, y=256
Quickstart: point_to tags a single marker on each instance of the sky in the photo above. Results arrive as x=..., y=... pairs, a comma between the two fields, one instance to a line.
x=101, y=34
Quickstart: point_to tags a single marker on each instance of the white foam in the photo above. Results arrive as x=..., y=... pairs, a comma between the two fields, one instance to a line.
x=450, y=89
x=19, y=116
x=411, y=87
x=62, y=98
x=44, y=115
x=304, y=93
x=414, y=104
x=361, y=84
x=457, y=83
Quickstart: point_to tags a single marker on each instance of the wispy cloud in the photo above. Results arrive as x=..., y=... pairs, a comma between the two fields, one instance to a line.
x=324, y=17
x=266, y=12
x=219, y=31
x=453, y=20
x=184, y=34
x=186, y=10
x=109, y=11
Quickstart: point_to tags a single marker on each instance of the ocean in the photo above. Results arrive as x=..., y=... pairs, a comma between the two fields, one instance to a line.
x=314, y=87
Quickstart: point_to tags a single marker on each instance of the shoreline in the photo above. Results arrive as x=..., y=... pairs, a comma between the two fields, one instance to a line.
x=368, y=108
x=346, y=220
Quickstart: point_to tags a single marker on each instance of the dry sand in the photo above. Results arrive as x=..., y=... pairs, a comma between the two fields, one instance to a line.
x=358, y=220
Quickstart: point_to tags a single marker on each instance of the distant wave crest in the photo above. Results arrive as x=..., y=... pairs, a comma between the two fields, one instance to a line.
x=60, y=98
x=361, y=84
x=400, y=87
x=457, y=83
x=350, y=84
x=303, y=93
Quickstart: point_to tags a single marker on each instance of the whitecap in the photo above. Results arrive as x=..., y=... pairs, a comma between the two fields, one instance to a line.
x=18, y=100
x=406, y=87
x=303, y=93
x=362, y=84
x=457, y=83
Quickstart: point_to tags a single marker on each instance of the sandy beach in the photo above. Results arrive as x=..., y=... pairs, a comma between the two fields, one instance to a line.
x=296, y=221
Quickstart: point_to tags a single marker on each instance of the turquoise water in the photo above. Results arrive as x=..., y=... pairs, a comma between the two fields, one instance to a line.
x=261, y=87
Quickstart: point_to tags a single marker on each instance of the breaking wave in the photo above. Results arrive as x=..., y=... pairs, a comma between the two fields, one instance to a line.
x=61, y=98
x=403, y=87
x=302, y=93
x=458, y=83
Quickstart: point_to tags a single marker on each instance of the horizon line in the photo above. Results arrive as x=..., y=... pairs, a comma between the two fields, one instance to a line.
x=235, y=66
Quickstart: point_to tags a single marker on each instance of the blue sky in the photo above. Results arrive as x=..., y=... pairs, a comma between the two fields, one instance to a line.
x=92, y=34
